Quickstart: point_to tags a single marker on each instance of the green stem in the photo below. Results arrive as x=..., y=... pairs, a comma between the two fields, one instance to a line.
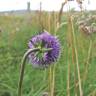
x=23, y=67
x=46, y=50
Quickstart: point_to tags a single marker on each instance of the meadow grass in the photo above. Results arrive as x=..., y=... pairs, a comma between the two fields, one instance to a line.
x=15, y=33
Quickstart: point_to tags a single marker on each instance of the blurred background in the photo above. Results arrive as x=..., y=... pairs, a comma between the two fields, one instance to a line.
x=73, y=22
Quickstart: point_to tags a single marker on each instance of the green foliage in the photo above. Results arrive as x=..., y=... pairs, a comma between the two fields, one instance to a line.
x=14, y=36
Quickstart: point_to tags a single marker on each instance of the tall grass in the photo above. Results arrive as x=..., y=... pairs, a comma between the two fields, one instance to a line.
x=74, y=73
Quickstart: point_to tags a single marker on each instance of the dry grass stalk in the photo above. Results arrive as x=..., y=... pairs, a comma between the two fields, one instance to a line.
x=71, y=44
x=68, y=80
x=69, y=66
x=51, y=80
x=74, y=64
x=49, y=24
x=87, y=63
x=58, y=23
x=77, y=62
x=55, y=18
x=40, y=18
x=61, y=11
x=51, y=70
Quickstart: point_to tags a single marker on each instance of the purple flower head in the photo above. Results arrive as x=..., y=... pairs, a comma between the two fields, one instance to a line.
x=49, y=49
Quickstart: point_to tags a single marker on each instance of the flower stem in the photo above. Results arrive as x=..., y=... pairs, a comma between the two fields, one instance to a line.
x=22, y=69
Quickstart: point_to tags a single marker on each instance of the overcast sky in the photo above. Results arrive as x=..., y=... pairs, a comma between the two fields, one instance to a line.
x=49, y=5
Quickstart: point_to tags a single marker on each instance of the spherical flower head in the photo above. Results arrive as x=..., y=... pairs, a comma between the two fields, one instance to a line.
x=49, y=49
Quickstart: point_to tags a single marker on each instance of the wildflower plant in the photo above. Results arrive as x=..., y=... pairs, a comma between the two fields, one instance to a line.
x=44, y=50
x=49, y=49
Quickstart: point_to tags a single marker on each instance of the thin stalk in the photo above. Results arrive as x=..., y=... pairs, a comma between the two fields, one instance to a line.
x=49, y=19
x=40, y=18
x=87, y=63
x=54, y=22
x=50, y=68
x=53, y=81
x=59, y=23
x=77, y=62
x=23, y=62
x=73, y=61
x=68, y=80
x=73, y=55
x=71, y=44
x=69, y=65
x=61, y=11
x=50, y=80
